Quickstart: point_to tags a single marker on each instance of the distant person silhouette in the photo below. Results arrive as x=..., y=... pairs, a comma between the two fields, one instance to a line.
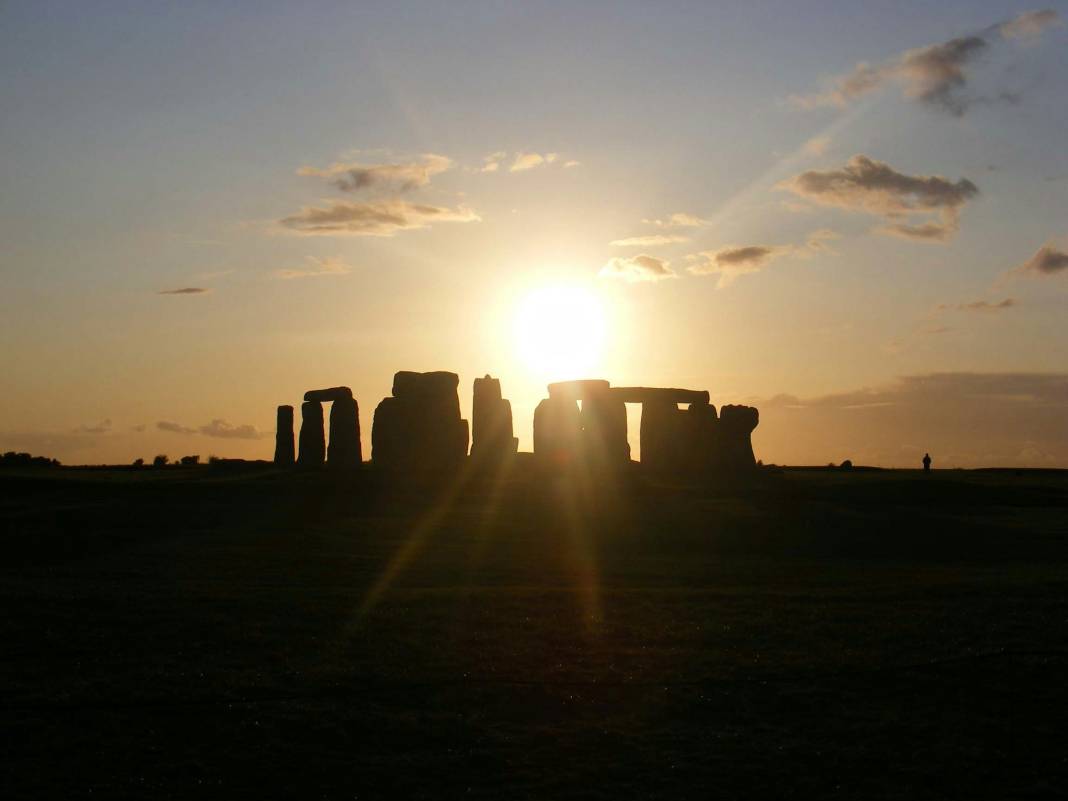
x=927, y=463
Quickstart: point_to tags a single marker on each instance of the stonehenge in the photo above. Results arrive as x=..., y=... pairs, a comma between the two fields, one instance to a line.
x=283, y=437
x=327, y=395
x=594, y=435
x=312, y=450
x=419, y=428
x=736, y=423
x=582, y=423
x=345, y=448
x=692, y=440
x=491, y=423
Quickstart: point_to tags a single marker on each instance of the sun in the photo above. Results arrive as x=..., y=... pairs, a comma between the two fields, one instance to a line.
x=560, y=332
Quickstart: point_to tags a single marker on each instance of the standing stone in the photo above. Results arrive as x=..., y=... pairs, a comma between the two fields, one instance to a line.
x=283, y=437
x=557, y=432
x=312, y=437
x=419, y=429
x=491, y=422
x=604, y=429
x=702, y=432
x=345, y=448
x=663, y=435
x=736, y=424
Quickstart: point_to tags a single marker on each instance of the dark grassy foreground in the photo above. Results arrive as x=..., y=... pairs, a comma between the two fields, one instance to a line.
x=212, y=633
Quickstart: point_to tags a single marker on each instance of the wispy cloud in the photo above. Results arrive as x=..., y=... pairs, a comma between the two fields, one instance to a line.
x=736, y=260
x=377, y=218
x=527, y=161
x=103, y=427
x=874, y=187
x=316, y=267
x=403, y=176
x=936, y=75
x=981, y=306
x=1047, y=261
x=730, y=262
x=637, y=268
x=174, y=428
x=492, y=162
x=218, y=428
x=818, y=241
x=816, y=146
x=187, y=290
x=224, y=430
x=679, y=219
x=649, y=241
x=1029, y=24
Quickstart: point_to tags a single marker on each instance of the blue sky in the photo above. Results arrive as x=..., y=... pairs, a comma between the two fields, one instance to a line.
x=148, y=147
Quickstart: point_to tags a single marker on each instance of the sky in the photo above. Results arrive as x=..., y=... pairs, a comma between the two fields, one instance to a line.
x=853, y=216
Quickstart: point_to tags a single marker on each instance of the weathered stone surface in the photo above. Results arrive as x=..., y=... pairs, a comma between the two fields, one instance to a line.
x=736, y=424
x=659, y=395
x=703, y=450
x=283, y=437
x=491, y=422
x=328, y=395
x=345, y=448
x=664, y=435
x=419, y=429
x=604, y=429
x=408, y=384
x=557, y=432
x=312, y=437
x=577, y=390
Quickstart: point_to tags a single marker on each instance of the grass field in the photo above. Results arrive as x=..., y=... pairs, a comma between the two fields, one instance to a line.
x=202, y=632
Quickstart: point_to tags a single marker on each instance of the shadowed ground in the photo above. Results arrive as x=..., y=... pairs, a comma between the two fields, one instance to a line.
x=205, y=632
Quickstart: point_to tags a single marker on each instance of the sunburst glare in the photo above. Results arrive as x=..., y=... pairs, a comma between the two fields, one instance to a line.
x=560, y=332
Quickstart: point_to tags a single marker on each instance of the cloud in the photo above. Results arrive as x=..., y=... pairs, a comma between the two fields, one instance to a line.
x=876, y=188
x=936, y=74
x=1029, y=24
x=216, y=428
x=188, y=290
x=103, y=427
x=315, y=267
x=378, y=218
x=174, y=428
x=571, y=163
x=527, y=161
x=1047, y=261
x=679, y=219
x=224, y=430
x=731, y=262
x=637, y=268
x=405, y=176
x=982, y=306
x=816, y=146
x=648, y=241
x=1018, y=415
x=492, y=162
x=816, y=242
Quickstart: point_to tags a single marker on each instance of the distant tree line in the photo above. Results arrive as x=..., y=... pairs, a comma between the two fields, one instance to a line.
x=12, y=459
